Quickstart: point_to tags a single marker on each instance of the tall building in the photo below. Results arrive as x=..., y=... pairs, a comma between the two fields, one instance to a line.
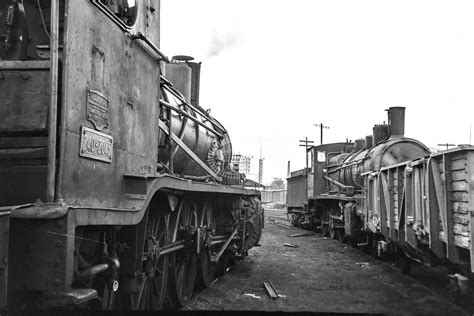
x=241, y=163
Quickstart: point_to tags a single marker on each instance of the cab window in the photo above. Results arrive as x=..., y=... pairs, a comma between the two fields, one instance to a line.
x=321, y=156
x=124, y=11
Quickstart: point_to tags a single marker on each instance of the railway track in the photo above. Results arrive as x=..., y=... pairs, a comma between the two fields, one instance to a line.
x=435, y=278
x=319, y=275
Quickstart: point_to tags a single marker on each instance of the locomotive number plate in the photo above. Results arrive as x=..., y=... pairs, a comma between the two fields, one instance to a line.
x=96, y=145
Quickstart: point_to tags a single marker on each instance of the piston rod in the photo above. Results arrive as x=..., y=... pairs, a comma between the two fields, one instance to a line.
x=86, y=273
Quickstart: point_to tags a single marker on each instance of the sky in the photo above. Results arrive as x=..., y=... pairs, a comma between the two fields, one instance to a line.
x=271, y=69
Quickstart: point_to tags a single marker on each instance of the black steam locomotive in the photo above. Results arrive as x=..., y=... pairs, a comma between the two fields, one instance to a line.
x=389, y=195
x=115, y=189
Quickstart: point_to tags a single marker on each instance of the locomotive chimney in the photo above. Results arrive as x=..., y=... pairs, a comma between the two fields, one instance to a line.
x=359, y=144
x=380, y=133
x=369, y=141
x=396, y=121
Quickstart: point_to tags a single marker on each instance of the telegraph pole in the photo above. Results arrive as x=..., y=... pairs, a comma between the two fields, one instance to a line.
x=321, y=126
x=260, y=166
x=447, y=145
x=306, y=143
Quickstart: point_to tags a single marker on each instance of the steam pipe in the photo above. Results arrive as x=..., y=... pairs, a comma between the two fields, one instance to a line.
x=142, y=37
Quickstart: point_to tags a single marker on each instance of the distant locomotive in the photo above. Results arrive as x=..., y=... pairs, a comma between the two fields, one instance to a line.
x=390, y=196
x=115, y=189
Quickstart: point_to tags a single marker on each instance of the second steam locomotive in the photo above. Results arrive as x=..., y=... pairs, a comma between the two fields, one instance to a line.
x=389, y=195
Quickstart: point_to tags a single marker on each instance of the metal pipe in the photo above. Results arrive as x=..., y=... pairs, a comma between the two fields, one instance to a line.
x=142, y=37
x=53, y=107
x=216, y=242
x=339, y=184
x=172, y=248
x=86, y=273
x=215, y=259
x=169, y=86
x=344, y=166
x=185, y=114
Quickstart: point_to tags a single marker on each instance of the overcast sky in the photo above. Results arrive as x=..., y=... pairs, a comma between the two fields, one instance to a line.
x=271, y=69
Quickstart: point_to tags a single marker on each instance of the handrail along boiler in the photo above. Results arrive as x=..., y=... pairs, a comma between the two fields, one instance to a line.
x=115, y=189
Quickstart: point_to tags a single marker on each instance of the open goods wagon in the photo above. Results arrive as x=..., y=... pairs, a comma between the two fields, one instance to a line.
x=427, y=207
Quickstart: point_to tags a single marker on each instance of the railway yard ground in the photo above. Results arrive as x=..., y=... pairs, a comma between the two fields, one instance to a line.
x=312, y=273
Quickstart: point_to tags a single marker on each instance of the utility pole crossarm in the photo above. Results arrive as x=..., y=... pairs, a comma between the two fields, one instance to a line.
x=321, y=126
x=447, y=145
x=306, y=143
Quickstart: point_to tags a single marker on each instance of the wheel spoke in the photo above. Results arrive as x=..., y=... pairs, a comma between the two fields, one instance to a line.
x=206, y=271
x=183, y=262
x=152, y=289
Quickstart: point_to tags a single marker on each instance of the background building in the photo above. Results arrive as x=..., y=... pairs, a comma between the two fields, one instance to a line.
x=241, y=163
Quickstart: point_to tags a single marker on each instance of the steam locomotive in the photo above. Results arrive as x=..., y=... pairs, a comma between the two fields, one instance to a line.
x=115, y=186
x=389, y=195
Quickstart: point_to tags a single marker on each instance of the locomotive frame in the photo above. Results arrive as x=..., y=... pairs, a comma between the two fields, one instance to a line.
x=92, y=213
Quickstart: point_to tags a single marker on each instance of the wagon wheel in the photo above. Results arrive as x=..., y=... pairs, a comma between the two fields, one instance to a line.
x=402, y=261
x=205, y=274
x=183, y=263
x=153, y=280
x=325, y=229
x=332, y=228
x=340, y=234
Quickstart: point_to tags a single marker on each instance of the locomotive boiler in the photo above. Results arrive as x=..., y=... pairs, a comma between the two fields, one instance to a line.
x=115, y=186
x=386, y=147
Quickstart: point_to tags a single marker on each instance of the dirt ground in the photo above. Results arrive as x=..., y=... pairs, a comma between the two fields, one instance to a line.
x=320, y=275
